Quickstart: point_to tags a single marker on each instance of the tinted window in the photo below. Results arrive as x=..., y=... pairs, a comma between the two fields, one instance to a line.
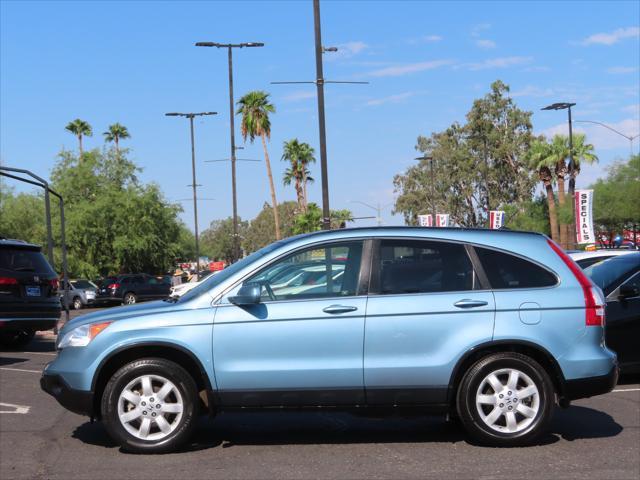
x=607, y=274
x=509, y=271
x=83, y=284
x=415, y=266
x=22, y=260
x=319, y=272
x=126, y=281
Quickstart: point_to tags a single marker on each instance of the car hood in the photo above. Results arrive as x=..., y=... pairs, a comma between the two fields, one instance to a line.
x=121, y=313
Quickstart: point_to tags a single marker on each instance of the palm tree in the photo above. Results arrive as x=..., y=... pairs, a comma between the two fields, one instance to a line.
x=558, y=154
x=255, y=109
x=299, y=155
x=582, y=153
x=540, y=159
x=115, y=133
x=79, y=128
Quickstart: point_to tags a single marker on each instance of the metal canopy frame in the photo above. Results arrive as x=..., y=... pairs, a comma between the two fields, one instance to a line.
x=42, y=183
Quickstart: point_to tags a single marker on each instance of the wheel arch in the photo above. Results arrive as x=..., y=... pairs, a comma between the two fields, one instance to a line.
x=166, y=350
x=535, y=351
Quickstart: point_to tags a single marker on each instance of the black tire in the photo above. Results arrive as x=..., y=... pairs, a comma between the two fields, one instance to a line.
x=470, y=415
x=128, y=373
x=77, y=303
x=129, y=298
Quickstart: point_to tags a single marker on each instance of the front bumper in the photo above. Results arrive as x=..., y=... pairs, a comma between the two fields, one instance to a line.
x=76, y=401
x=35, y=324
x=591, y=386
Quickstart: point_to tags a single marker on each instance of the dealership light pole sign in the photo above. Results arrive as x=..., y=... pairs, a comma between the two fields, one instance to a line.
x=496, y=219
x=584, y=216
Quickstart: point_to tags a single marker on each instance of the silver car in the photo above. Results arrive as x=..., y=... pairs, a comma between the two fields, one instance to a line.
x=81, y=294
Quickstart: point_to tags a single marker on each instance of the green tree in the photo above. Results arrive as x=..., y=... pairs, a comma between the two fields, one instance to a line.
x=530, y=216
x=311, y=221
x=115, y=133
x=300, y=156
x=255, y=109
x=261, y=231
x=217, y=240
x=616, y=198
x=474, y=167
x=80, y=129
x=541, y=161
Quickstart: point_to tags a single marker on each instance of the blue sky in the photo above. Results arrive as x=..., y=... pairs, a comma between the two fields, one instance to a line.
x=130, y=62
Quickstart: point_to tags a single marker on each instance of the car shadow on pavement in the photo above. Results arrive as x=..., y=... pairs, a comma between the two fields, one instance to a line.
x=302, y=428
x=4, y=361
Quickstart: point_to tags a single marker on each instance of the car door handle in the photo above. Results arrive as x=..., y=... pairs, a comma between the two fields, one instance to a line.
x=468, y=303
x=339, y=309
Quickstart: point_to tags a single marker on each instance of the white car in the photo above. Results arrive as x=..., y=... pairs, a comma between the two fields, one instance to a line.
x=585, y=259
x=179, y=290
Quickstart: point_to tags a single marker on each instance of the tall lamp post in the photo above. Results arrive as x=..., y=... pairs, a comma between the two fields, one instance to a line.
x=230, y=47
x=572, y=181
x=628, y=137
x=378, y=208
x=191, y=116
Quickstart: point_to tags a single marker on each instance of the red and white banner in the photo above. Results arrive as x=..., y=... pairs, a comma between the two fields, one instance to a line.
x=425, y=220
x=496, y=219
x=442, y=220
x=584, y=216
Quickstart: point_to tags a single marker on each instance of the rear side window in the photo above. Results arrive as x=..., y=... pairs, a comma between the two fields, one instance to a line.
x=508, y=271
x=23, y=260
x=417, y=266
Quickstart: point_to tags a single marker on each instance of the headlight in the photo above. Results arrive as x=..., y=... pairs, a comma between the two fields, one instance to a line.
x=81, y=336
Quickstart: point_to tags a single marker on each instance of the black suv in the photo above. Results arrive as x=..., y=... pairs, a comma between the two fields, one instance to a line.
x=28, y=292
x=132, y=288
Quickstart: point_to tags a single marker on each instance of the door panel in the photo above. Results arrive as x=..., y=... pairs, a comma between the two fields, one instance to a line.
x=303, y=344
x=425, y=311
x=412, y=343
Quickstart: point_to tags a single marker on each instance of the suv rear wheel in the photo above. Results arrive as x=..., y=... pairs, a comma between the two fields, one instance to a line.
x=150, y=406
x=129, y=298
x=77, y=303
x=506, y=399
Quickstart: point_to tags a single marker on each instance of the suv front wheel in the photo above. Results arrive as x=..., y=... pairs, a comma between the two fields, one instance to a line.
x=150, y=406
x=506, y=399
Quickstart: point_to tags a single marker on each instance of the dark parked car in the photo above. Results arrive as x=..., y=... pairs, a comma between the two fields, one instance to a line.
x=132, y=288
x=619, y=279
x=28, y=292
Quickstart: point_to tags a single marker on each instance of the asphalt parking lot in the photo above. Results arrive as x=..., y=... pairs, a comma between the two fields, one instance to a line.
x=594, y=438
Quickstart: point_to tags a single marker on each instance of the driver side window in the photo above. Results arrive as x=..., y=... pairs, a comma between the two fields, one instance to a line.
x=330, y=270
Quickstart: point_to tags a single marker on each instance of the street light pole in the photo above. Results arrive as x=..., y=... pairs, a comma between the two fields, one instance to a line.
x=194, y=185
x=326, y=212
x=229, y=47
x=572, y=180
x=628, y=137
x=378, y=208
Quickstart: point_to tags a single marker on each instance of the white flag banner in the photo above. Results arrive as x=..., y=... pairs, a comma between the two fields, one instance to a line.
x=425, y=220
x=584, y=216
x=496, y=219
x=442, y=220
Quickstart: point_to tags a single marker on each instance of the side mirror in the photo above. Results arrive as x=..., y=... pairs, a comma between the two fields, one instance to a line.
x=249, y=294
x=628, y=291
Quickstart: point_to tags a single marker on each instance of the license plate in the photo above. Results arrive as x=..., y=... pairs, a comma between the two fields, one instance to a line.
x=33, y=291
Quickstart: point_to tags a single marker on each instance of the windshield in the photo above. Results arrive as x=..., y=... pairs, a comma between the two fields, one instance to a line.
x=213, y=280
x=606, y=274
x=24, y=260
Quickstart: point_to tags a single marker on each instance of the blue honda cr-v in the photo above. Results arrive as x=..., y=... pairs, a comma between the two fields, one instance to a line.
x=496, y=327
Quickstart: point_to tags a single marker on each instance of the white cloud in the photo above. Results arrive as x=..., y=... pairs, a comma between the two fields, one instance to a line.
x=612, y=37
x=533, y=91
x=632, y=109
x=397, y=98
x=486, y=43
x=399, y=70
x=479, y=28
x=299, y=95
x=622, y=70
x=432, y=38
x=502, y=62
x=537, y=68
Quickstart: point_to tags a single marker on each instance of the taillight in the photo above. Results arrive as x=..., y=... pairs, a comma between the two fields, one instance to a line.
x=8, y=281
x=54, y=283
x=593, y=303
x=114, y=286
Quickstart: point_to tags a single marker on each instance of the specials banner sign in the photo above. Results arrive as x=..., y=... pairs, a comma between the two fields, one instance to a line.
x=584, y=216
x=442, y=220
x=496, y=219
x=425, y=220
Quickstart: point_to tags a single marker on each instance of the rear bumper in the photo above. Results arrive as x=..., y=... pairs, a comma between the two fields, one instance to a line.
x=591, y=386
x=34, y=324
x=76, y=401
